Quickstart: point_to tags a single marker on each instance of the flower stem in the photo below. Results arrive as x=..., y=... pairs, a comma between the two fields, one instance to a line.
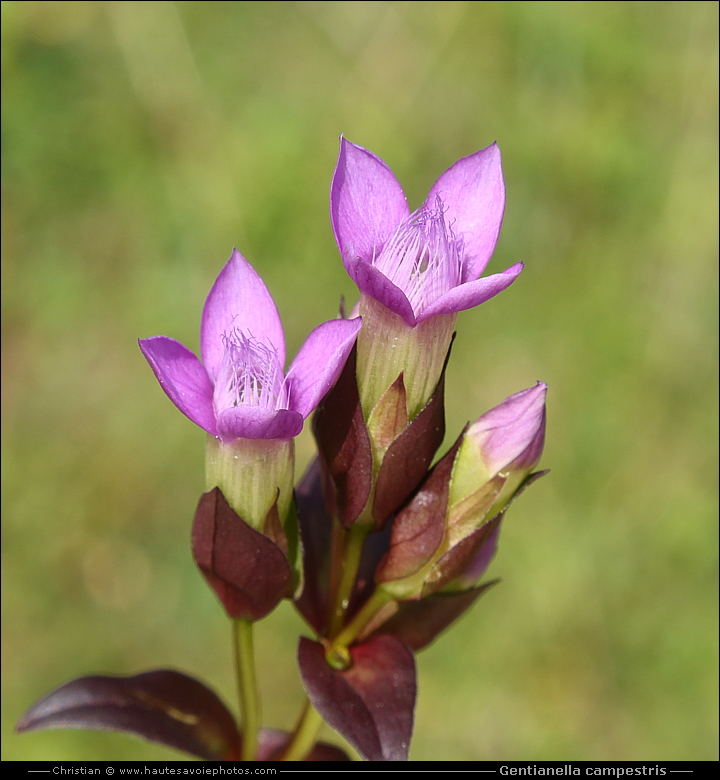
x=353, y=539
x=247, y=687
x=304, y=736
x=355, y=627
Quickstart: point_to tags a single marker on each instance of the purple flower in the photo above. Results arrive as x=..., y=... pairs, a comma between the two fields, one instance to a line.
x=239, y=390
x=424, y=263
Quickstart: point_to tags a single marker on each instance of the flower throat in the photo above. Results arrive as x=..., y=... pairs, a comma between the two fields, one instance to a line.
x=423, y=257
x=250, y=374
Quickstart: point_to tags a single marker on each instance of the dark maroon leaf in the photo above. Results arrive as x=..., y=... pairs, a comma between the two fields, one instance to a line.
x=344, y=448
x=271, y=743
x=419, y=528
x=529, y=480
x=162, y=706
x=337, y=701
x=409, y=456
x=468, y=560
x=418, y=623
x=316, y=538
x=248, y=572
x=457, y=560
x=371, y=703
x=483, y=555
x=375, y=547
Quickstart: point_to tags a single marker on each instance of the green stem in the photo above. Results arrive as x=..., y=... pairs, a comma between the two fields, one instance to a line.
x=304, y=736
x=247, y=687
x=352, y=551
x=355, y=627
x=337, y=559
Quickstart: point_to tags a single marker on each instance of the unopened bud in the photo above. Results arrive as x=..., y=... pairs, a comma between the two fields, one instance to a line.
x=504, y=443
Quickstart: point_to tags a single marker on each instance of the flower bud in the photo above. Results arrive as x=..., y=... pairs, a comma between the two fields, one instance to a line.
x=446, y=536
x=504, y=444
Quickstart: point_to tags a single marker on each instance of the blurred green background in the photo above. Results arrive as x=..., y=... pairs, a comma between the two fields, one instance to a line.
x=143, y=140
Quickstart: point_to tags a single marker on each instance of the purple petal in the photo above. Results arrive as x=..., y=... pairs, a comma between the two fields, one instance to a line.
x=530, y=457
x=473, y=194
x=238, y=299
x=375, y=284
x=367, y=202
x=183, y=378
x=515, y=429
x=256, y=422
x=319, y=363
x=470, y=294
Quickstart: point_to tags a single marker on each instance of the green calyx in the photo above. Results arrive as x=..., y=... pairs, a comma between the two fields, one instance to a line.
x=388, y=347
x=252, y=474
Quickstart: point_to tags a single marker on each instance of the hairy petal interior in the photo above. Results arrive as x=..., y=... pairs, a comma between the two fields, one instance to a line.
x=250, y=374
x=423, y=257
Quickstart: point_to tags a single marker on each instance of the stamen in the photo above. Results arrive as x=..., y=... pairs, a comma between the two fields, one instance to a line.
x=250, y=374
x=423, y=257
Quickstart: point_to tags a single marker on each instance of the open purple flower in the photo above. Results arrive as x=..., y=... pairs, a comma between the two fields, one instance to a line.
x=427, y=262
x=239, y=390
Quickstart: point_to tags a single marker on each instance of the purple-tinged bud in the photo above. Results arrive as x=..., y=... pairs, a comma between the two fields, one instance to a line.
x=446, y=536
x=504, y=444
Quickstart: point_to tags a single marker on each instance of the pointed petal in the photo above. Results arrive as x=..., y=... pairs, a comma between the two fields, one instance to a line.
x=319, y=363
x=183, y=378
x=374, y=283
x=256, y=422
x=473, y=194
x=366, y=202
x=238, y=299
x=471, y=294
